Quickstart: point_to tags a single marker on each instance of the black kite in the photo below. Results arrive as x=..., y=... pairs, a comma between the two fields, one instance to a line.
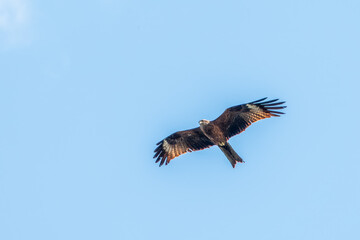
x=232, y=122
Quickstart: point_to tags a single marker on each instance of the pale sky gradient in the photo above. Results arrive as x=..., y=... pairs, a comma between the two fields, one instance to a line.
x=16, y=26
x=89, y=88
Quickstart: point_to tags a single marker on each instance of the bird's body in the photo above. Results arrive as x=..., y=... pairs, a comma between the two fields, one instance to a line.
x=232, y=122
x=217, y=137
x=212, y=132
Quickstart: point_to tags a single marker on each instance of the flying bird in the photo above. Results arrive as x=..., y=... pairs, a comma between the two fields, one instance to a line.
x=231, y=122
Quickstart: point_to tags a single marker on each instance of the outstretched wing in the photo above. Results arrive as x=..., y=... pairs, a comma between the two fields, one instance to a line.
x=179, y=143
x=236, y=119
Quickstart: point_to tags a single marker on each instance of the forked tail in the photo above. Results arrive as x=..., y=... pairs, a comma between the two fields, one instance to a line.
x=230, y=154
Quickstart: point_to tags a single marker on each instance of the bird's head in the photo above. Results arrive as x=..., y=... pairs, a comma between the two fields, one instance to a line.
x=204, y=122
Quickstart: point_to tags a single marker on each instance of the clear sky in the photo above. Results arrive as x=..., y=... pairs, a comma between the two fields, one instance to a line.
x=88, y=88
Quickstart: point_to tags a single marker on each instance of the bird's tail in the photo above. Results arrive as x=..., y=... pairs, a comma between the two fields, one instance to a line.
x=230, y=154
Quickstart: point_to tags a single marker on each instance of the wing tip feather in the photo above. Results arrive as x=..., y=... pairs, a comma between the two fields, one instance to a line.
x=271, y=105
x=259, y=100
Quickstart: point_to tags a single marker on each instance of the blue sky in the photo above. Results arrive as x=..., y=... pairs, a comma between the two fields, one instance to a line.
x=87, y=90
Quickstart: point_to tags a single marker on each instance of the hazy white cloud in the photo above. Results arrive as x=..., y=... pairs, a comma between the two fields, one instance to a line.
x=14, y=20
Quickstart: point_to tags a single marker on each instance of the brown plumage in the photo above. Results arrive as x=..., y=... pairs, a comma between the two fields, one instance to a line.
x=233, y=121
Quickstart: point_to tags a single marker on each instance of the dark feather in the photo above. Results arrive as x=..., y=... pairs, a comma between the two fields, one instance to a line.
x=273, y=104
x=262, y=99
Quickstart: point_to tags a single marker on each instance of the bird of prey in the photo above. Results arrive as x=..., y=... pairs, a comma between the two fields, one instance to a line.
x=233, y=121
